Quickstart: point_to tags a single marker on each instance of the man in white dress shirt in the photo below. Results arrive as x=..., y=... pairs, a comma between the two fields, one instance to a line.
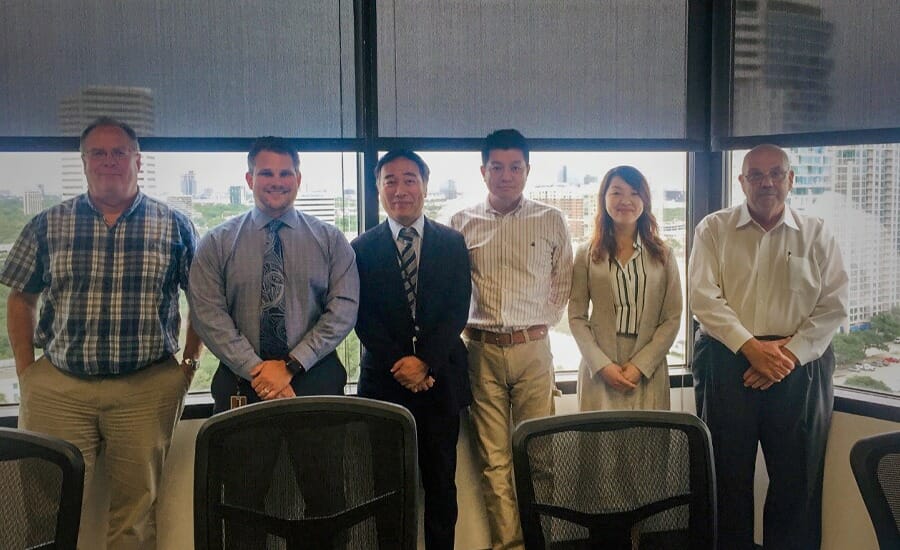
x=521, y=258
x=769, y=289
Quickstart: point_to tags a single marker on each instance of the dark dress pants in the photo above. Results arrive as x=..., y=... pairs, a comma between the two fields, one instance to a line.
x=437, y=435
x=323, y=483
x=790, y=420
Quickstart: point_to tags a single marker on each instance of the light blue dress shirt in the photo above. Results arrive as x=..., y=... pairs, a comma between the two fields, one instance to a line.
x=321, y=287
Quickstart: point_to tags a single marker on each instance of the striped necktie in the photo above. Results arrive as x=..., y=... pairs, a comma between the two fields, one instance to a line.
x=409, y=265
x=272, y=330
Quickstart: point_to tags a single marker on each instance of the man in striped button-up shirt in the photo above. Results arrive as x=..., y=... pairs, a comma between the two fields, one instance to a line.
x=108, y=265
x=521, y=259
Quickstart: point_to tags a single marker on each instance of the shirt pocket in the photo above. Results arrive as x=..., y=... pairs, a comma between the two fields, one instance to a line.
x=803, y=277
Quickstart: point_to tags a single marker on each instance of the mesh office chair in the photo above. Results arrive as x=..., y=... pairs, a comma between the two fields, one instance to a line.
x=876, y=465
x=41, y=485
x=307, y=472
x=617, y=480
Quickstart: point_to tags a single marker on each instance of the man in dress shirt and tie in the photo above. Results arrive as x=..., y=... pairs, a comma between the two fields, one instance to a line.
x=521, y=259
x=273, y=292
x=413, y=305
x=769, y=289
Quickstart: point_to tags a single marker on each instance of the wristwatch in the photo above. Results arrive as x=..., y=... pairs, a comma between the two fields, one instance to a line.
x=293, y=365
x=190, y=363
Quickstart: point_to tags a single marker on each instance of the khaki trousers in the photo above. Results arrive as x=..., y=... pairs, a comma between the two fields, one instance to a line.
x=512, y=383
x=133, y=416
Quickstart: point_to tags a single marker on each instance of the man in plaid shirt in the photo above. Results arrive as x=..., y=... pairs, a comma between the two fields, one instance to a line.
x=107, y=266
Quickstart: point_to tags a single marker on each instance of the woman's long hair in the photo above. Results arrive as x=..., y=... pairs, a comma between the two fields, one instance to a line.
x=603, y=242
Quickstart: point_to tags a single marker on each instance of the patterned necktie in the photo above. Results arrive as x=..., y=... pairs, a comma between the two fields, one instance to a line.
x=409, y=265
x=272, y=331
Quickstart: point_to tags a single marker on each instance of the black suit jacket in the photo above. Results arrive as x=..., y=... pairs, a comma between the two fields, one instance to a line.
x=385, y=325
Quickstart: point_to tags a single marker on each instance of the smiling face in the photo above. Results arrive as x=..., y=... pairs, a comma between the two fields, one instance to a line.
x=402, y=190
x=766, y=180
x=623, y=204
x=274, y=182
x=111, y=166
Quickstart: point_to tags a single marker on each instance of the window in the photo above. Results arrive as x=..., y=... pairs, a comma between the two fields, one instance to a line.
x=570, y=181
x=856, y=190
x=210, y=187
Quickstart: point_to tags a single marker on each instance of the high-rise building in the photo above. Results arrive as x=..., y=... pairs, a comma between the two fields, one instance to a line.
x=32, y=202
x=133, y=106
x=857, y=190
x=570, y=200
x=781, y=65
x=236, y=194
x=318, y=204
x=189, y=184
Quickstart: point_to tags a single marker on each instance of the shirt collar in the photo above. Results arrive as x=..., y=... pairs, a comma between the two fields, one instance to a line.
x=261, y=219
x=418, y=225
x=138, y=199
x=788, y=217
x=515, y=211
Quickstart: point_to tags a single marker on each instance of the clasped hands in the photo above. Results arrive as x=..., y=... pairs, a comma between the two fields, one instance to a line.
x=412, y=373
x=770, y=362
x=622, y=378
x=272, y=380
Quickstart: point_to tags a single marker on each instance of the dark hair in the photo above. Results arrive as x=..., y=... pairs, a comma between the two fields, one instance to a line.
x=275, y=145
x=391, y=156
x=504, y=139
x=603, y=241
x=109, y=122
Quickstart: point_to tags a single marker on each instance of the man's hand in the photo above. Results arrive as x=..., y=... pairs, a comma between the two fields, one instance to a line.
x=288, y=391
x=613, y=375
x=410, y=371
x=270, y=378
x=768, y=362
x=425, y=385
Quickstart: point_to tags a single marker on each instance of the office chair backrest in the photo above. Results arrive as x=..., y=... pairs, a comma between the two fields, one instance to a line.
x=876, y=465
x=41, y=486
x=307, y=472
x=616, y=479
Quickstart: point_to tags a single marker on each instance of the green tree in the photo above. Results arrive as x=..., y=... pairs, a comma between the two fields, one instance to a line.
x=867, y=382
x=848, y=348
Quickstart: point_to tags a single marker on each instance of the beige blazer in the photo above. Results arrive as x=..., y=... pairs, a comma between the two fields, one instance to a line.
x=593, y=324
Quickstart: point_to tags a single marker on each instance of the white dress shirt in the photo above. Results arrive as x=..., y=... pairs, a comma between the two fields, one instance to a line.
x=418, y=225
x=521, y=265
x=788, y=281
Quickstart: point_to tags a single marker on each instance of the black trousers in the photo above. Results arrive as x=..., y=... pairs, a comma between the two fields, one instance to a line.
x=790, y=420
x=437, y=435
x=318, y=469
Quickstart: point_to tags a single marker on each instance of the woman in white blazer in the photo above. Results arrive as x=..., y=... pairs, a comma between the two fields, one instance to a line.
x=625, y=306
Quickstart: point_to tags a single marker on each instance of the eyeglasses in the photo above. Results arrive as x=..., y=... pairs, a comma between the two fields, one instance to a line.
x=775, y=176
x=99, y=155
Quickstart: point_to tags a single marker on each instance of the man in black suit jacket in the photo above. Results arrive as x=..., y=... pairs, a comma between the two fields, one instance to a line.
x=414, y=303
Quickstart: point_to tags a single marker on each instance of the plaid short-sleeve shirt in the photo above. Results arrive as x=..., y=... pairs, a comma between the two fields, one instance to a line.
x=109, y=294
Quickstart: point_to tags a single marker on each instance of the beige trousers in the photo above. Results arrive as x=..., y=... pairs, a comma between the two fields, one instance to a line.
x=513, y=383
x=133, y=416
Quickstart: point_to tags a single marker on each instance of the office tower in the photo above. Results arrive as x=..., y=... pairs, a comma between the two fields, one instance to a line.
x=32, y=202
x=571, y=201
x=318, y=204
x=856, y=189
x=236, y=194
x=133, y=106
x=189, y=184
x=781, y=66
